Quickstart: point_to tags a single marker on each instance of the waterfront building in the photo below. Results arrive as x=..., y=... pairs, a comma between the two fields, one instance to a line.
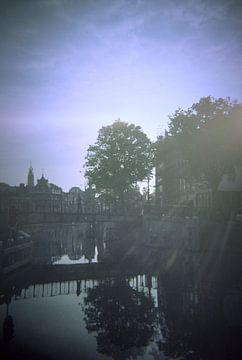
x=40, y=198
x=175, y=188
x=230, y=190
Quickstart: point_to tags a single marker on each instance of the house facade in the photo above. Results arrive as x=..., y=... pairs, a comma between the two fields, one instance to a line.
x=42, y=197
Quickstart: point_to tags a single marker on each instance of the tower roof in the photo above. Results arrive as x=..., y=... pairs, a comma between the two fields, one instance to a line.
x=31, y=176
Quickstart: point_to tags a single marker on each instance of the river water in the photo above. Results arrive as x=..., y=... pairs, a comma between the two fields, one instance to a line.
x=142, y=316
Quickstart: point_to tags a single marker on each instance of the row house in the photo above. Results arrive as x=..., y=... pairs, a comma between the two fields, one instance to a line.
x=44, y=197
x=175, y=190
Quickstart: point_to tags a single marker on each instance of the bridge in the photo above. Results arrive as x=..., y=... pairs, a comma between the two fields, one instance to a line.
x=58, y=217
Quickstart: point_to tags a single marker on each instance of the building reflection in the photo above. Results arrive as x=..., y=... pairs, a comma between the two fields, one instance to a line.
x=169, y=315
x=195, y=322
x=66, y=244
x=143, y=314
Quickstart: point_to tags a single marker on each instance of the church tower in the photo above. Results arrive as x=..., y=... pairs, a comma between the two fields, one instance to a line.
x=31, y=177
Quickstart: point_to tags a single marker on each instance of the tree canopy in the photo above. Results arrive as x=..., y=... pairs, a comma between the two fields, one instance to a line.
x=121, y=156
x=208, y=135
x=206, y=114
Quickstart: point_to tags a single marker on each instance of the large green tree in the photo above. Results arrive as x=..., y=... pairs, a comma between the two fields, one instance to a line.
x=121, y=156
x=209, y=135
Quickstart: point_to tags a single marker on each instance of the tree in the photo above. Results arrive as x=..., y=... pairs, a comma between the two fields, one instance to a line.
x=207, y=113
x=121, y=156
x=208, y=135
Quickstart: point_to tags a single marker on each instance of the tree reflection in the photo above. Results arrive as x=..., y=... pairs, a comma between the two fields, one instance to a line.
x=123, y=318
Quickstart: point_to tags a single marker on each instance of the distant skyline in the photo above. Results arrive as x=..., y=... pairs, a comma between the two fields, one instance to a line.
x=67, y=68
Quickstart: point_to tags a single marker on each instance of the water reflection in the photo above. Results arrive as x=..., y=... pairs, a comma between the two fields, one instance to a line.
x=167, y=316
x=196, y=325
x=64, y=317
x=67, y=244
x=8, y=326
x=122, y=318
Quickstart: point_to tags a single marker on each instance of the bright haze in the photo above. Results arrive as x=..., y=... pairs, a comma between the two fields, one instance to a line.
x=69, y=67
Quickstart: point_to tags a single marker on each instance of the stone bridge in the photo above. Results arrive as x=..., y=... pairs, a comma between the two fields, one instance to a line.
x=52, y=217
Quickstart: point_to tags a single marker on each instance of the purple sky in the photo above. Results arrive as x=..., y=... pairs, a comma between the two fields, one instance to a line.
x=69, y=67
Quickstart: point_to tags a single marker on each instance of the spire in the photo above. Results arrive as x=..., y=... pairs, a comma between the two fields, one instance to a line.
x=31, y=176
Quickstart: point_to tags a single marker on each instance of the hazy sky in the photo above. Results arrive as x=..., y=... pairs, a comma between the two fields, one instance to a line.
x=69, y=67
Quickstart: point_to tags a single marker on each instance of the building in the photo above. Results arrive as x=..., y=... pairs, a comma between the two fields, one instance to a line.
x=230, y=190
x=42, y=197
x=173, y=187
x=176, y=190
x=31, y=178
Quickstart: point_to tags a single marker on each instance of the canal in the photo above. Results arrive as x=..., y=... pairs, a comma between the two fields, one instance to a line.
x=135, y=316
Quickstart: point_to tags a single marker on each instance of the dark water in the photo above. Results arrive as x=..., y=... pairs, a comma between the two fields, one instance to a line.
x=67, y=244
x=136, y=317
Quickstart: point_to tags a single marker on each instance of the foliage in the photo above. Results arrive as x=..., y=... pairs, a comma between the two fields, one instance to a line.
x=121, y=156
x=207, y=135
x=205, y=114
